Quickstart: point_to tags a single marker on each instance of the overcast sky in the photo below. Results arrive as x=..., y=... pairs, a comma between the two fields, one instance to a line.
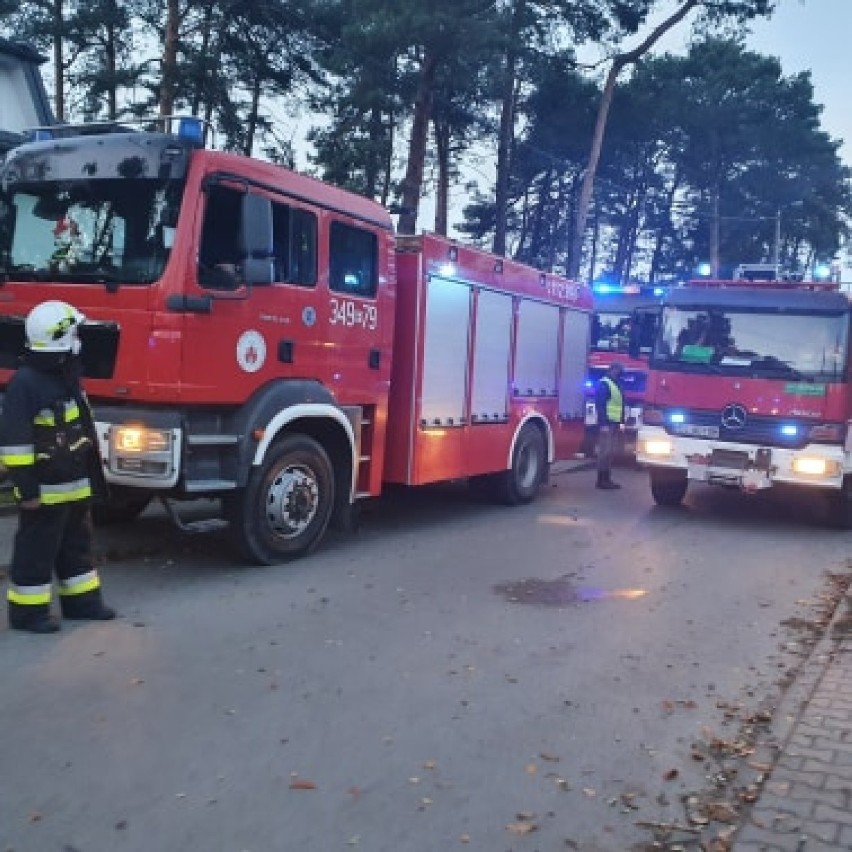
x=806, y=35
x=814, y=35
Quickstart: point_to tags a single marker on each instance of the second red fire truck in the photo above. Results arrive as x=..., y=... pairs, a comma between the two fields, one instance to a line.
x=623, y=329
x=262, y=338
x=749, y=387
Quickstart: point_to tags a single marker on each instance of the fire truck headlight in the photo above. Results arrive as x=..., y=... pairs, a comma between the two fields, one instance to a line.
x=815, y=466
x=657, y=447
x=135, y=450
x=139, y=439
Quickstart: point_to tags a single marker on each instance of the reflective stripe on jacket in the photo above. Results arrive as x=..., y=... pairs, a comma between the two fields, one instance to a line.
x=45, y=442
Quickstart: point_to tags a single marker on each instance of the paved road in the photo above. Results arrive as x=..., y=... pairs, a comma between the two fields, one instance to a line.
x=588, y=672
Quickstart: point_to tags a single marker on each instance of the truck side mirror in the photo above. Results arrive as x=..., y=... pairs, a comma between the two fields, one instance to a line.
x=256, y=240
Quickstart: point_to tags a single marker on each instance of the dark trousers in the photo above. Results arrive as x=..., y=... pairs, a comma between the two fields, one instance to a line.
x=607, y=443
x=52, y=540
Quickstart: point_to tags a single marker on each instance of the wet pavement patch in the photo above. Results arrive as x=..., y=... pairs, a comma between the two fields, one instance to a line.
x=560, y=592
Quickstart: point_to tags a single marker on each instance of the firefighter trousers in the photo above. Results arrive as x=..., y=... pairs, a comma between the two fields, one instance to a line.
x=52, y=541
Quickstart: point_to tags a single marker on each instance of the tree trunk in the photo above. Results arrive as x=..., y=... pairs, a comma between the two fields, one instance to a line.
x=111, y=65
x=619, y=63
x=504, y=153
x=169, y=69
x=252, y=116
x=58, y=61
x=442, y=200
x=412, y=183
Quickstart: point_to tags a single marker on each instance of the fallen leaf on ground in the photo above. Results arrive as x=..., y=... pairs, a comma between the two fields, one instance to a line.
x=671, y=775
x=521, y=828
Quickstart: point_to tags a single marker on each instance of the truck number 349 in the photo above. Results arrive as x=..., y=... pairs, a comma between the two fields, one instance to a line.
x=349, y=313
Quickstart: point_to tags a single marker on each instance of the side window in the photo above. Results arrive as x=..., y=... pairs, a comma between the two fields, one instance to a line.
x=295, y=245
x=219, y=255
x=353, y=260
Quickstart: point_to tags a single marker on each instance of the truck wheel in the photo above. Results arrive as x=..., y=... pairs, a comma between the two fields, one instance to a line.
x=668, y=487
x=285, y=508
x=123, y=506
x=521, y=481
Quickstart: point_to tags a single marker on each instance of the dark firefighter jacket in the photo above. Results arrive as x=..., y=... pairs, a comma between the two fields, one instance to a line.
x=47, y=440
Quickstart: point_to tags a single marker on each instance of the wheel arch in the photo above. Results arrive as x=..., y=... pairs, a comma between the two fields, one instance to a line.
x=298, y=406
x=329, y=427
x=540, y=422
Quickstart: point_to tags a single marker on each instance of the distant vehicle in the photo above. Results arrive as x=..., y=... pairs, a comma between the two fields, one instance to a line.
x=749, y=386
x=623, y=330
x=757, y=272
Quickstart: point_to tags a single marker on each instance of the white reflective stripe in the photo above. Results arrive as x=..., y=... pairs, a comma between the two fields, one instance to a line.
x=79, y=580
x=64, y=487
x=30, y=591
x=17, y=449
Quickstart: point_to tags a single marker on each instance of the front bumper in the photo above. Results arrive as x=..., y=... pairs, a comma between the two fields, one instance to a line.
x=746, y=466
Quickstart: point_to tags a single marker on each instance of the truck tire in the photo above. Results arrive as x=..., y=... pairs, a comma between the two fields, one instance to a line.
x=123, y=506
x=520, y=483
x=668, y=487
x=284, y=510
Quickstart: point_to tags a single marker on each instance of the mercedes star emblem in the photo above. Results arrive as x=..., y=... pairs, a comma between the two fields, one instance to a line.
x=733, y=416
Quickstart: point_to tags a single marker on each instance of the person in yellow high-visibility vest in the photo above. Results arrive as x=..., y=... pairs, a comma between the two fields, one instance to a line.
x=609, y=404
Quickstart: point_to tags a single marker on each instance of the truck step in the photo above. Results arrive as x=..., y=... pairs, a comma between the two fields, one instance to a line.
x=198, y=486
x=195, y=527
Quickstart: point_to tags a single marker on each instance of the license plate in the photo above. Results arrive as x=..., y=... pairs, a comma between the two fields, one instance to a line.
x=696, y=430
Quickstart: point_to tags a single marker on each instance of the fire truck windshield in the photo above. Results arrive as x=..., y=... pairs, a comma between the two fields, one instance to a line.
x=114, y=231
x=755, y=344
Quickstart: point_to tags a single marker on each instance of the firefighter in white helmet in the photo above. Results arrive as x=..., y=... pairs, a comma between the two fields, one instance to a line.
x=49, y=447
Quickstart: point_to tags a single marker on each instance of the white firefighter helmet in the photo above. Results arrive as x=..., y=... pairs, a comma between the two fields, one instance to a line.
x=52, y=327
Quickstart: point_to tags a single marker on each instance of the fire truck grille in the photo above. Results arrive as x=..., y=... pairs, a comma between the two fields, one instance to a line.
x=762, y=430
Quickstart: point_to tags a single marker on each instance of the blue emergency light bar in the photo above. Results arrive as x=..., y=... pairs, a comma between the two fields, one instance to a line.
x=191, y=129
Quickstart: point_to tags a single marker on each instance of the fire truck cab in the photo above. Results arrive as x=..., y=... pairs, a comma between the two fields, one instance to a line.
x=749, y=387
x=623, y=329
x=259, y=337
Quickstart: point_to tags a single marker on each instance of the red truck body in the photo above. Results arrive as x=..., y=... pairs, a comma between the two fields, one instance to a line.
x=261, y=337
x=749, y=387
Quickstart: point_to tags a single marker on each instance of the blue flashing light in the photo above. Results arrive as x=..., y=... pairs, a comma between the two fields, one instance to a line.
x=600, y=287
x=589, y=384
x=789, y=430
x=704, y=269
x=191, y=129
x=821, y=272
x=659, y=291
x=677, y=417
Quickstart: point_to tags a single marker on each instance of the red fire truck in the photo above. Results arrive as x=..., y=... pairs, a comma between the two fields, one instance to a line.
x=623, y=329
x=262, y=338
x=749, y=387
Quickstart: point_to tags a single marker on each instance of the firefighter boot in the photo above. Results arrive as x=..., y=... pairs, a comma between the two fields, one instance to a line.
x=606, y=483
x=86, y=607
x=33, y=619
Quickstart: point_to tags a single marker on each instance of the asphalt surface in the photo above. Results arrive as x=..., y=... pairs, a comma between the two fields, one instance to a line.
x=585, y=673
